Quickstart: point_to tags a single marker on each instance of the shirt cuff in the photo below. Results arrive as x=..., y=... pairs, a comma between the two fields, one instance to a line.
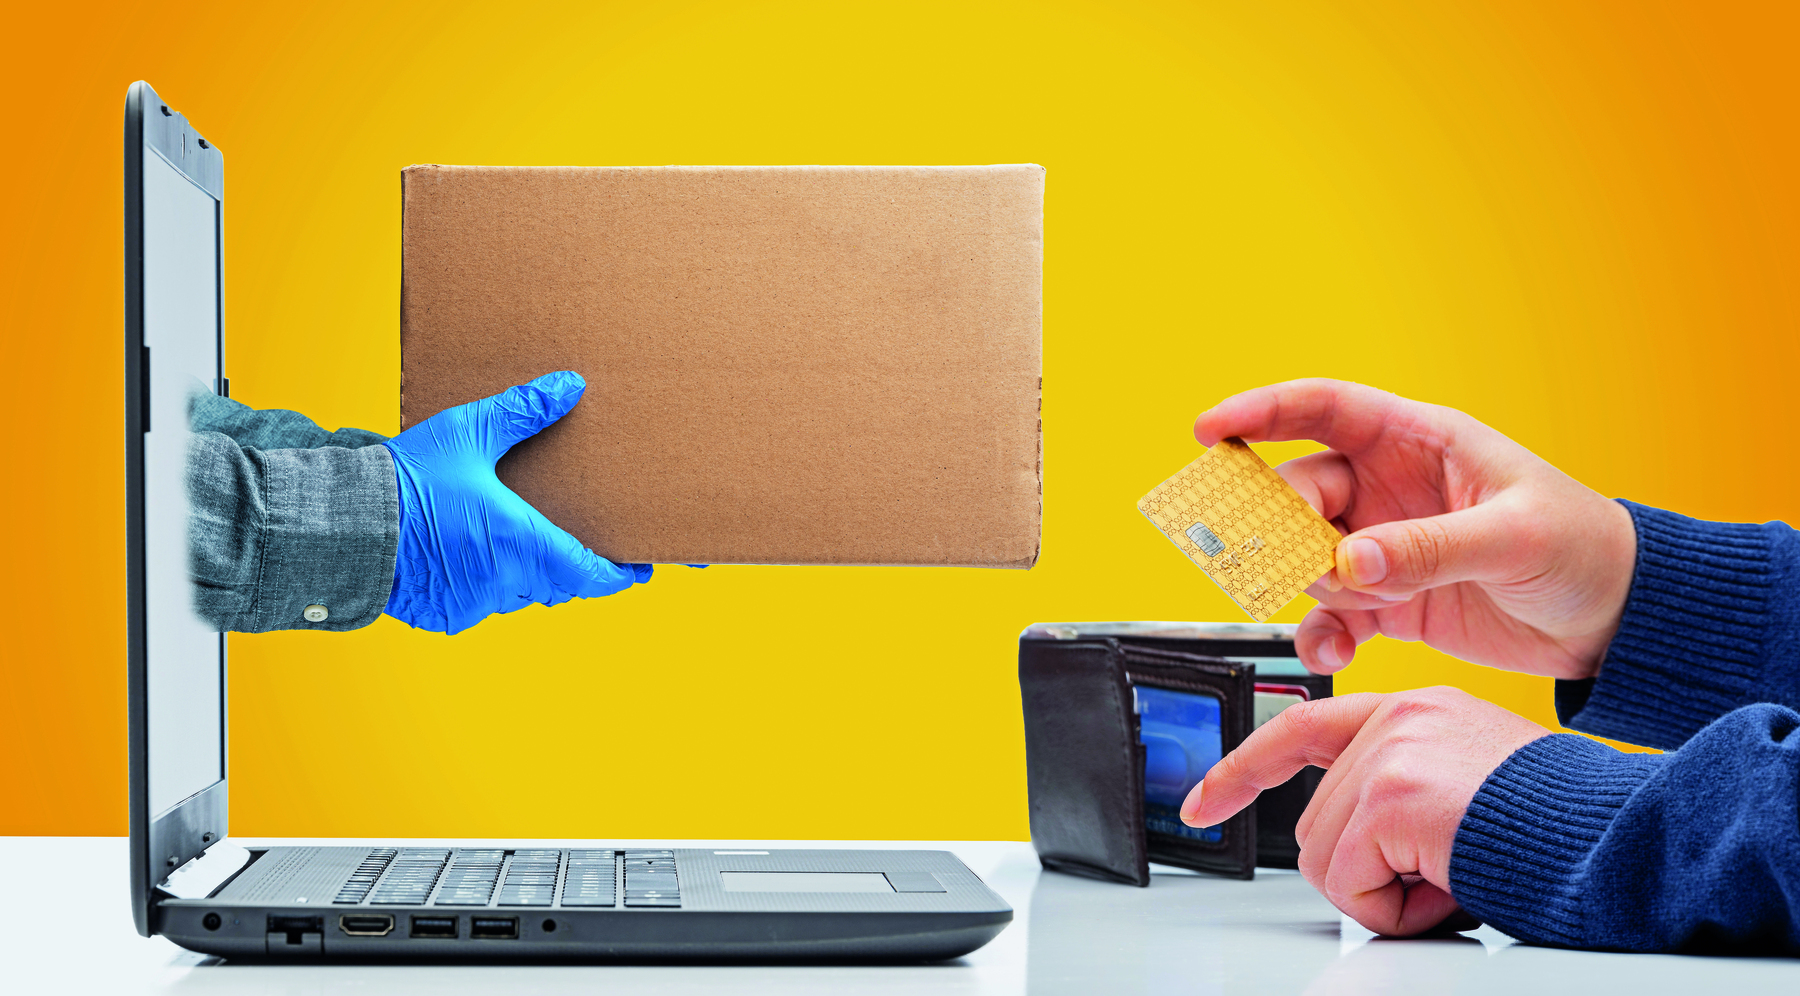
x=330, y=538
x=1689, y=646
x=1520, y=856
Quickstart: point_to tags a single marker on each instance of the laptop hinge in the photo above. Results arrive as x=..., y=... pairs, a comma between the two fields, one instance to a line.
x=208, y=870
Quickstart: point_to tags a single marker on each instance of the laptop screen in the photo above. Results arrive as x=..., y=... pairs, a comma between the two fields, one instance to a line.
x=184, y=657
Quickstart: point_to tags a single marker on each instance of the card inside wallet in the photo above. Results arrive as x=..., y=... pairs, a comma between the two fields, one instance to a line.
x=1122, y=718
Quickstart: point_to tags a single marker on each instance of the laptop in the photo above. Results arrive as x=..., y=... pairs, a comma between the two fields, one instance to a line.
x=191, y=885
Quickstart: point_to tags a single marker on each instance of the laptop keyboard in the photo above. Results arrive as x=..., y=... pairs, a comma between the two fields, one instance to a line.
x=535, y=877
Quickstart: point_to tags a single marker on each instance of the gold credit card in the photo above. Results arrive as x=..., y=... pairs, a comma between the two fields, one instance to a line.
x=1246, y=528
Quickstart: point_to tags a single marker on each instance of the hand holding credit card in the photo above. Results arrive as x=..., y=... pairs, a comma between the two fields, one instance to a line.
x=1458, y=537
x=1251, y=533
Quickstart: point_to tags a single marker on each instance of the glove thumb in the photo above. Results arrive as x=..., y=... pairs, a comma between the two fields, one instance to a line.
x=521, y=412
x=578, y=571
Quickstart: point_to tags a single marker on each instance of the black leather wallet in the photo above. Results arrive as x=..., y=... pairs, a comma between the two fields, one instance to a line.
x=1083, y=685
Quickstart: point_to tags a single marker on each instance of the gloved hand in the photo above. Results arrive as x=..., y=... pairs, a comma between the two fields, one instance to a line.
x=469, y=546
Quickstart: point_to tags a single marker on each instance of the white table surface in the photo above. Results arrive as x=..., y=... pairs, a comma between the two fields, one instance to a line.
x=66, y=927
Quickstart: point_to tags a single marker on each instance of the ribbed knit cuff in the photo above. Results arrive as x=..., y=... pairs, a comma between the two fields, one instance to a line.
x=1689, y=647
x=1520, y=851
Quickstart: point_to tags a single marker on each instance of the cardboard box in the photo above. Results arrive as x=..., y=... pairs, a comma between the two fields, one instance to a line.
x=785, y=365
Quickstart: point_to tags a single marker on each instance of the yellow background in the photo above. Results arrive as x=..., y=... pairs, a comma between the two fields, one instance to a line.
x=1577, y=221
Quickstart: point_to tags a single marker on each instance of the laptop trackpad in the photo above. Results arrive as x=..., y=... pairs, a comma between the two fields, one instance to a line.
x=774, y=881
x=915, y=882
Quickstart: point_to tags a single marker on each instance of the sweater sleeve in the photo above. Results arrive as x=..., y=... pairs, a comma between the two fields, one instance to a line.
x=1711, y=624
x=1572, y=843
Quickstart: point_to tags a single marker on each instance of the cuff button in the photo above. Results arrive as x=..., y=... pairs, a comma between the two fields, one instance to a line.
x=316, y=613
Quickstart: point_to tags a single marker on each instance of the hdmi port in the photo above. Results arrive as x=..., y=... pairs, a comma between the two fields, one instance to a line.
x=366, y=924
x=494, y=927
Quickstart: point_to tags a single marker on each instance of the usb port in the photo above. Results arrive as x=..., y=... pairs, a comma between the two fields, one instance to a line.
x=434, y=926
x=366, y=924
x=494, y=927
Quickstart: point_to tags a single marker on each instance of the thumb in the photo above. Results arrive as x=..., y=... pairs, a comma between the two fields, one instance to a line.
x=1480, y=543
x=575, y=570
x=521, y=412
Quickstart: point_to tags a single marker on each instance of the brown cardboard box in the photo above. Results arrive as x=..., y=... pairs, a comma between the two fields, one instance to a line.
x=785, y=365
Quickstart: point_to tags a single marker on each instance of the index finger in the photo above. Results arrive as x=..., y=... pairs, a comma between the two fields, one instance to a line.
x=1302, y=734
x=1344, y=416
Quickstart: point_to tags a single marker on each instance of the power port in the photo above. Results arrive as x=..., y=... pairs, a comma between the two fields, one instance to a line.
x=211, y=921
x=366, y=924
x=434, y=926
x=494, y=927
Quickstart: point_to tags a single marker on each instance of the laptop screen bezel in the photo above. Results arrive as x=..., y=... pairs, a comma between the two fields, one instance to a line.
x=161, y=844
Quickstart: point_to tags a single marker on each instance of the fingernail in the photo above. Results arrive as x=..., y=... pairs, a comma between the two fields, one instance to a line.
x=1363, y=560
x=1190, y=809
x=1331, y=581
x=1328, y=654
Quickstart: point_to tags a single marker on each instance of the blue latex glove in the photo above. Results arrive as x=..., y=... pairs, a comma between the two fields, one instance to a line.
x=469, y=546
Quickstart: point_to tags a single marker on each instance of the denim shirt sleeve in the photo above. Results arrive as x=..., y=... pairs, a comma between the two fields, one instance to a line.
x=270, y=428
x=284, y=515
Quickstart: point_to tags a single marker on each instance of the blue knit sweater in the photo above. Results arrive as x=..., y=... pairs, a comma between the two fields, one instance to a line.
x=1570, y=842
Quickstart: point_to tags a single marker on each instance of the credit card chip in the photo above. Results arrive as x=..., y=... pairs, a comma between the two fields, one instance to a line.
x=1203, y=538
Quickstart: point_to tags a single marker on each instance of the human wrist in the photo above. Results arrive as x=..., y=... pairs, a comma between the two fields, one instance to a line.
x=1706, y=584
x=1614, y=550
x=410, y=595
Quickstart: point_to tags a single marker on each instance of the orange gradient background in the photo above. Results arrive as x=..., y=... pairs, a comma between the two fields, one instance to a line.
x=1577, y=221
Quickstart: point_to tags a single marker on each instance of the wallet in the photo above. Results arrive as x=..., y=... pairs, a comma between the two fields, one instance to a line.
x=1122, y=717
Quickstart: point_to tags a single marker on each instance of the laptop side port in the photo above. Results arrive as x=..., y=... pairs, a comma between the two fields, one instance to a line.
x=366, y=924
x=290, y=936
x=494, y=927
x=294, y=927
x=434, y=926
